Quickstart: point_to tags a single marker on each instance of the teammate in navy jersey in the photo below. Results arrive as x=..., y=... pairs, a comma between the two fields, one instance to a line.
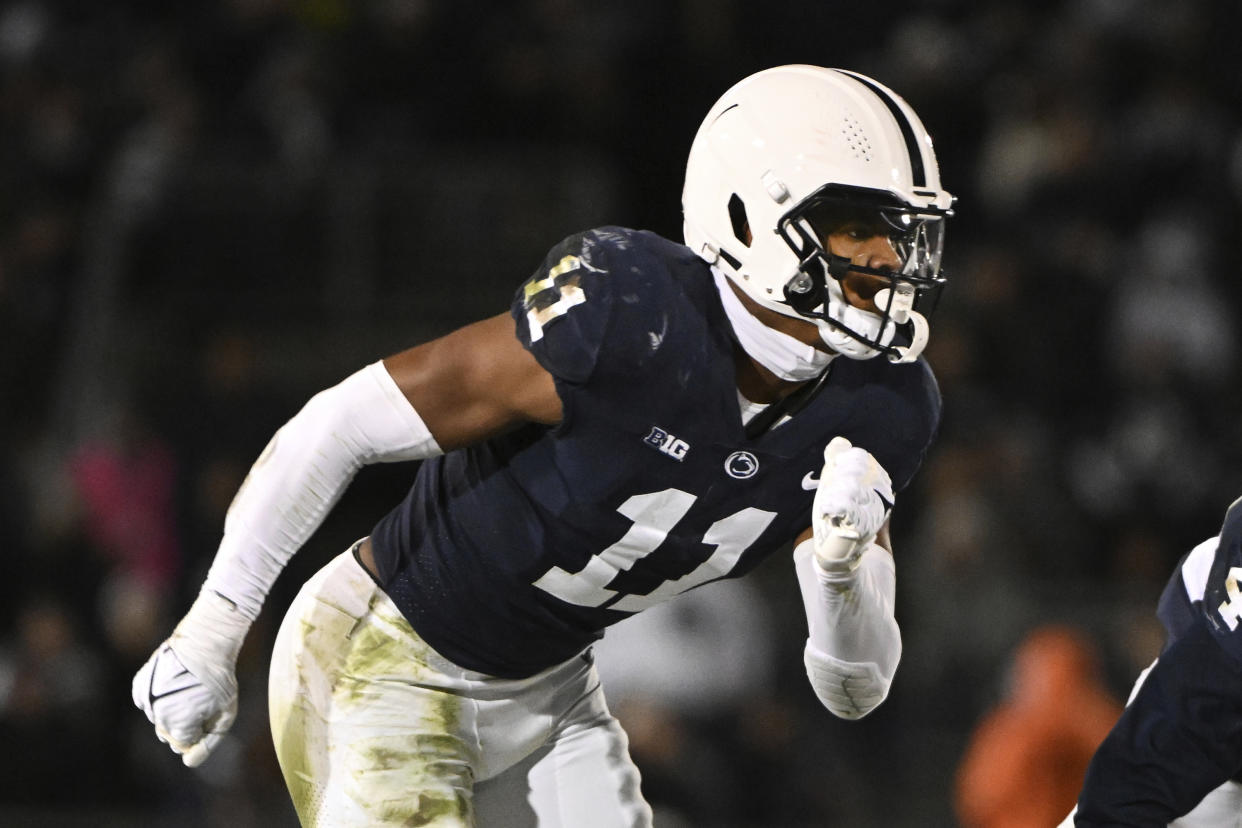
x=1175, y=755
x=650, y=416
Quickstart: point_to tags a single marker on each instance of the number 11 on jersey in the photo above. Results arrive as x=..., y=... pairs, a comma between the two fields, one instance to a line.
x=654, y=515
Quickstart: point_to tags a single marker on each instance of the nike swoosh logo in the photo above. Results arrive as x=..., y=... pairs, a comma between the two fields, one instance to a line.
x=168, y=685
x=810, y=481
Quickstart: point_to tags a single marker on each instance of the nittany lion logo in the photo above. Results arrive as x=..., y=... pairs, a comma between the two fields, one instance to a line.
x=741, y=464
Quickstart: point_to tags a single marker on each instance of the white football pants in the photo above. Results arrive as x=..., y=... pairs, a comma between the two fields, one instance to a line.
x=372, y=727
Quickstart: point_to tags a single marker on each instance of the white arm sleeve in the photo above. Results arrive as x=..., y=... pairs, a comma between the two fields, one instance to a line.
x=854, y=643
x=304, y=471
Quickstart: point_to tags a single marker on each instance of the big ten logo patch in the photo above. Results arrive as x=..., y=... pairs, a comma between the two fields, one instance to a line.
x=666, y=443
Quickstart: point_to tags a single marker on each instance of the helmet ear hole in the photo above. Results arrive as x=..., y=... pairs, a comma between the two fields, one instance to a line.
x=737, y=216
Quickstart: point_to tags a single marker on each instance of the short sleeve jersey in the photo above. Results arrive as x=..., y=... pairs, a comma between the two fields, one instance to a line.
x=514, y=554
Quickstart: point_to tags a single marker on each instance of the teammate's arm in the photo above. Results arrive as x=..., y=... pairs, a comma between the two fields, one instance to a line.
x=450, y=392
x=848, y=581
x=1181, y=733
x=1179, y=738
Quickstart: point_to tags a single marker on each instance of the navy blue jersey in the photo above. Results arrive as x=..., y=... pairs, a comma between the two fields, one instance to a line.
x=1205, y=583
x=1181, y=602
x=1181, y=735
x=512, y=555
x=1222, y=599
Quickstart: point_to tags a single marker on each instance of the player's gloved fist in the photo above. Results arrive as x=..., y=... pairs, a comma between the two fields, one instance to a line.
x=852, y=502
x=188, y=688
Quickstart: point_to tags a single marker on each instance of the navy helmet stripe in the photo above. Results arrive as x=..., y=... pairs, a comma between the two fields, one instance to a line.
x=917, y=170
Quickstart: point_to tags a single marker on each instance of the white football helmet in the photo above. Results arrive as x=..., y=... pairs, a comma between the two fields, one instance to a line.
x=790, y=144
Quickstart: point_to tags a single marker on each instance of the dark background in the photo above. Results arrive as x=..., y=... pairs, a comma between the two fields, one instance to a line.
x=209, y=211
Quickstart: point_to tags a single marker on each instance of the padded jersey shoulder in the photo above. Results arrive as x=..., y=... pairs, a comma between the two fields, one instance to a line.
x=603, y=301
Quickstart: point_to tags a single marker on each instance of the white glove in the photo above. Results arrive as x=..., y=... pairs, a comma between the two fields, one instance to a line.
x=188, y=688
x=852, y=502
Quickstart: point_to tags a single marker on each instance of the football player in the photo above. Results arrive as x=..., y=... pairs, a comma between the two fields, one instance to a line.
x=648, y=417
x=1175, y=755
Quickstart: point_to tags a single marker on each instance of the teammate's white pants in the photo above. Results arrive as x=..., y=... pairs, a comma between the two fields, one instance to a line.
x=372, y=727
x=1221, y=808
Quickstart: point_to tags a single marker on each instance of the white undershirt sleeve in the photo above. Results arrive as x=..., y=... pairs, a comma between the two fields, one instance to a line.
x=853, y=642
x=304, y=471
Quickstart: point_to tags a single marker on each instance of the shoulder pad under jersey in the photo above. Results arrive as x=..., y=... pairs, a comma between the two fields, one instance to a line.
x=590, y=289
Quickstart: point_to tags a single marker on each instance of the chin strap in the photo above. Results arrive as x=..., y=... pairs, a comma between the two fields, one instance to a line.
x=855, y=324
x=918, y=341
x=900, y=305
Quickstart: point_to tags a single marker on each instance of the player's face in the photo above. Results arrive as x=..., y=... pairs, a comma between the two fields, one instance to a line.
x=864, y=239
x=861, y=236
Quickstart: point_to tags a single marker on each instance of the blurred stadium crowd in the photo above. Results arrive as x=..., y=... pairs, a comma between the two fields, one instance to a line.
x=208, y=211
